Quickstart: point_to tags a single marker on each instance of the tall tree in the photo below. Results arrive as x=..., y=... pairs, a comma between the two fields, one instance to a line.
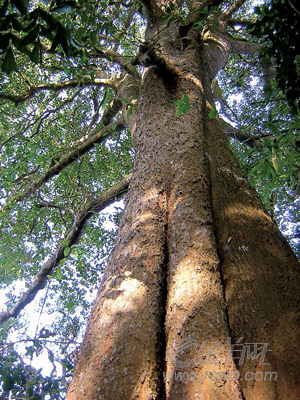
x=200, y=280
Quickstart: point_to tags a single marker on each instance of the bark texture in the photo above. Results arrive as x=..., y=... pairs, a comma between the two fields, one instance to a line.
x=197, y=259
x=260, y=275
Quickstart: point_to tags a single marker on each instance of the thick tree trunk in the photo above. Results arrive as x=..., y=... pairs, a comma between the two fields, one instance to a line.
x=260, y=276
x=196, y=261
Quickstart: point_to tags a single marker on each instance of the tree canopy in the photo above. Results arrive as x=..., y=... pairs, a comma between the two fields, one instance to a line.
x=278, y=28
x=69, y=86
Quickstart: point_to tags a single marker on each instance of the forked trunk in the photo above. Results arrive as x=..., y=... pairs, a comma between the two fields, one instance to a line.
x=197, y=261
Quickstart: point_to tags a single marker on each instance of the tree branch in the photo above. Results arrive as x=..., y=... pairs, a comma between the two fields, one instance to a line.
x=108, y=54
x=40, y=281
x=197, y=9
x=26, y=176
x=41, y=119
x=109, y=113
x=235, y=7
x=50, y=204
x=107, y=117
x=98, y=137
x=241, y=22
x=112, y=55
x=243, y=137
x=57, y=87
x=153, y=11
x=244, y=47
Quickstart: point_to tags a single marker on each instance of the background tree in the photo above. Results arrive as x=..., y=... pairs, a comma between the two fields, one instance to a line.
x=66, y=148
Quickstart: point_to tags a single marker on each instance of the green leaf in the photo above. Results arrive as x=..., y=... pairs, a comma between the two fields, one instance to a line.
x=277, y=164
x=31, y=36
x=183, y=105
x=124, y=100
x=36, y=55
x=81, y=33
x=3, y=9
x=4, y=41
x=186, y=99
x=9, y=64
x=30, y=26
x=179, y=110
x=16, y=24
x=66, y=251
x=178, y=102
x=8, y=383
x=128, y=113
x=62, y=37
x=186, y=109
x=58, y=273
x=213, y=113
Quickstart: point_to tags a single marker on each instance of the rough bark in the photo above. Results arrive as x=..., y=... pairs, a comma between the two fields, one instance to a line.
x=197, y=260
x=260, y=275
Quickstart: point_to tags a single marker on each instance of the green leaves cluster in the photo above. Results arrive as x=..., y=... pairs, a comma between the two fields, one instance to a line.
x=25, y=27
x=183, y=105
x=173, y=13
x=20, y=381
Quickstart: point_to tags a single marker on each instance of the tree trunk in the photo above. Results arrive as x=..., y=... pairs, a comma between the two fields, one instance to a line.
x=197, y=262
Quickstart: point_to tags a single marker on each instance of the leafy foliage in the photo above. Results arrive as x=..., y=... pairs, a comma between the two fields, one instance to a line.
x=23, y=26
x=23, y=381
x=269, y=152
x=278, y=27
x=183, y=105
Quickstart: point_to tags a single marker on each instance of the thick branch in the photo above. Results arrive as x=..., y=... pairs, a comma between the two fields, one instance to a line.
x=98, y=137
x=240, y=22
x=50, y=204
x=235, y=7
x=40, y=281
x=243, y=137
x=244, y=47
x=198, y=7
x=114, y=56
x=153, y=11
x=109, y=113
x=108, y=54
x=56, y=87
